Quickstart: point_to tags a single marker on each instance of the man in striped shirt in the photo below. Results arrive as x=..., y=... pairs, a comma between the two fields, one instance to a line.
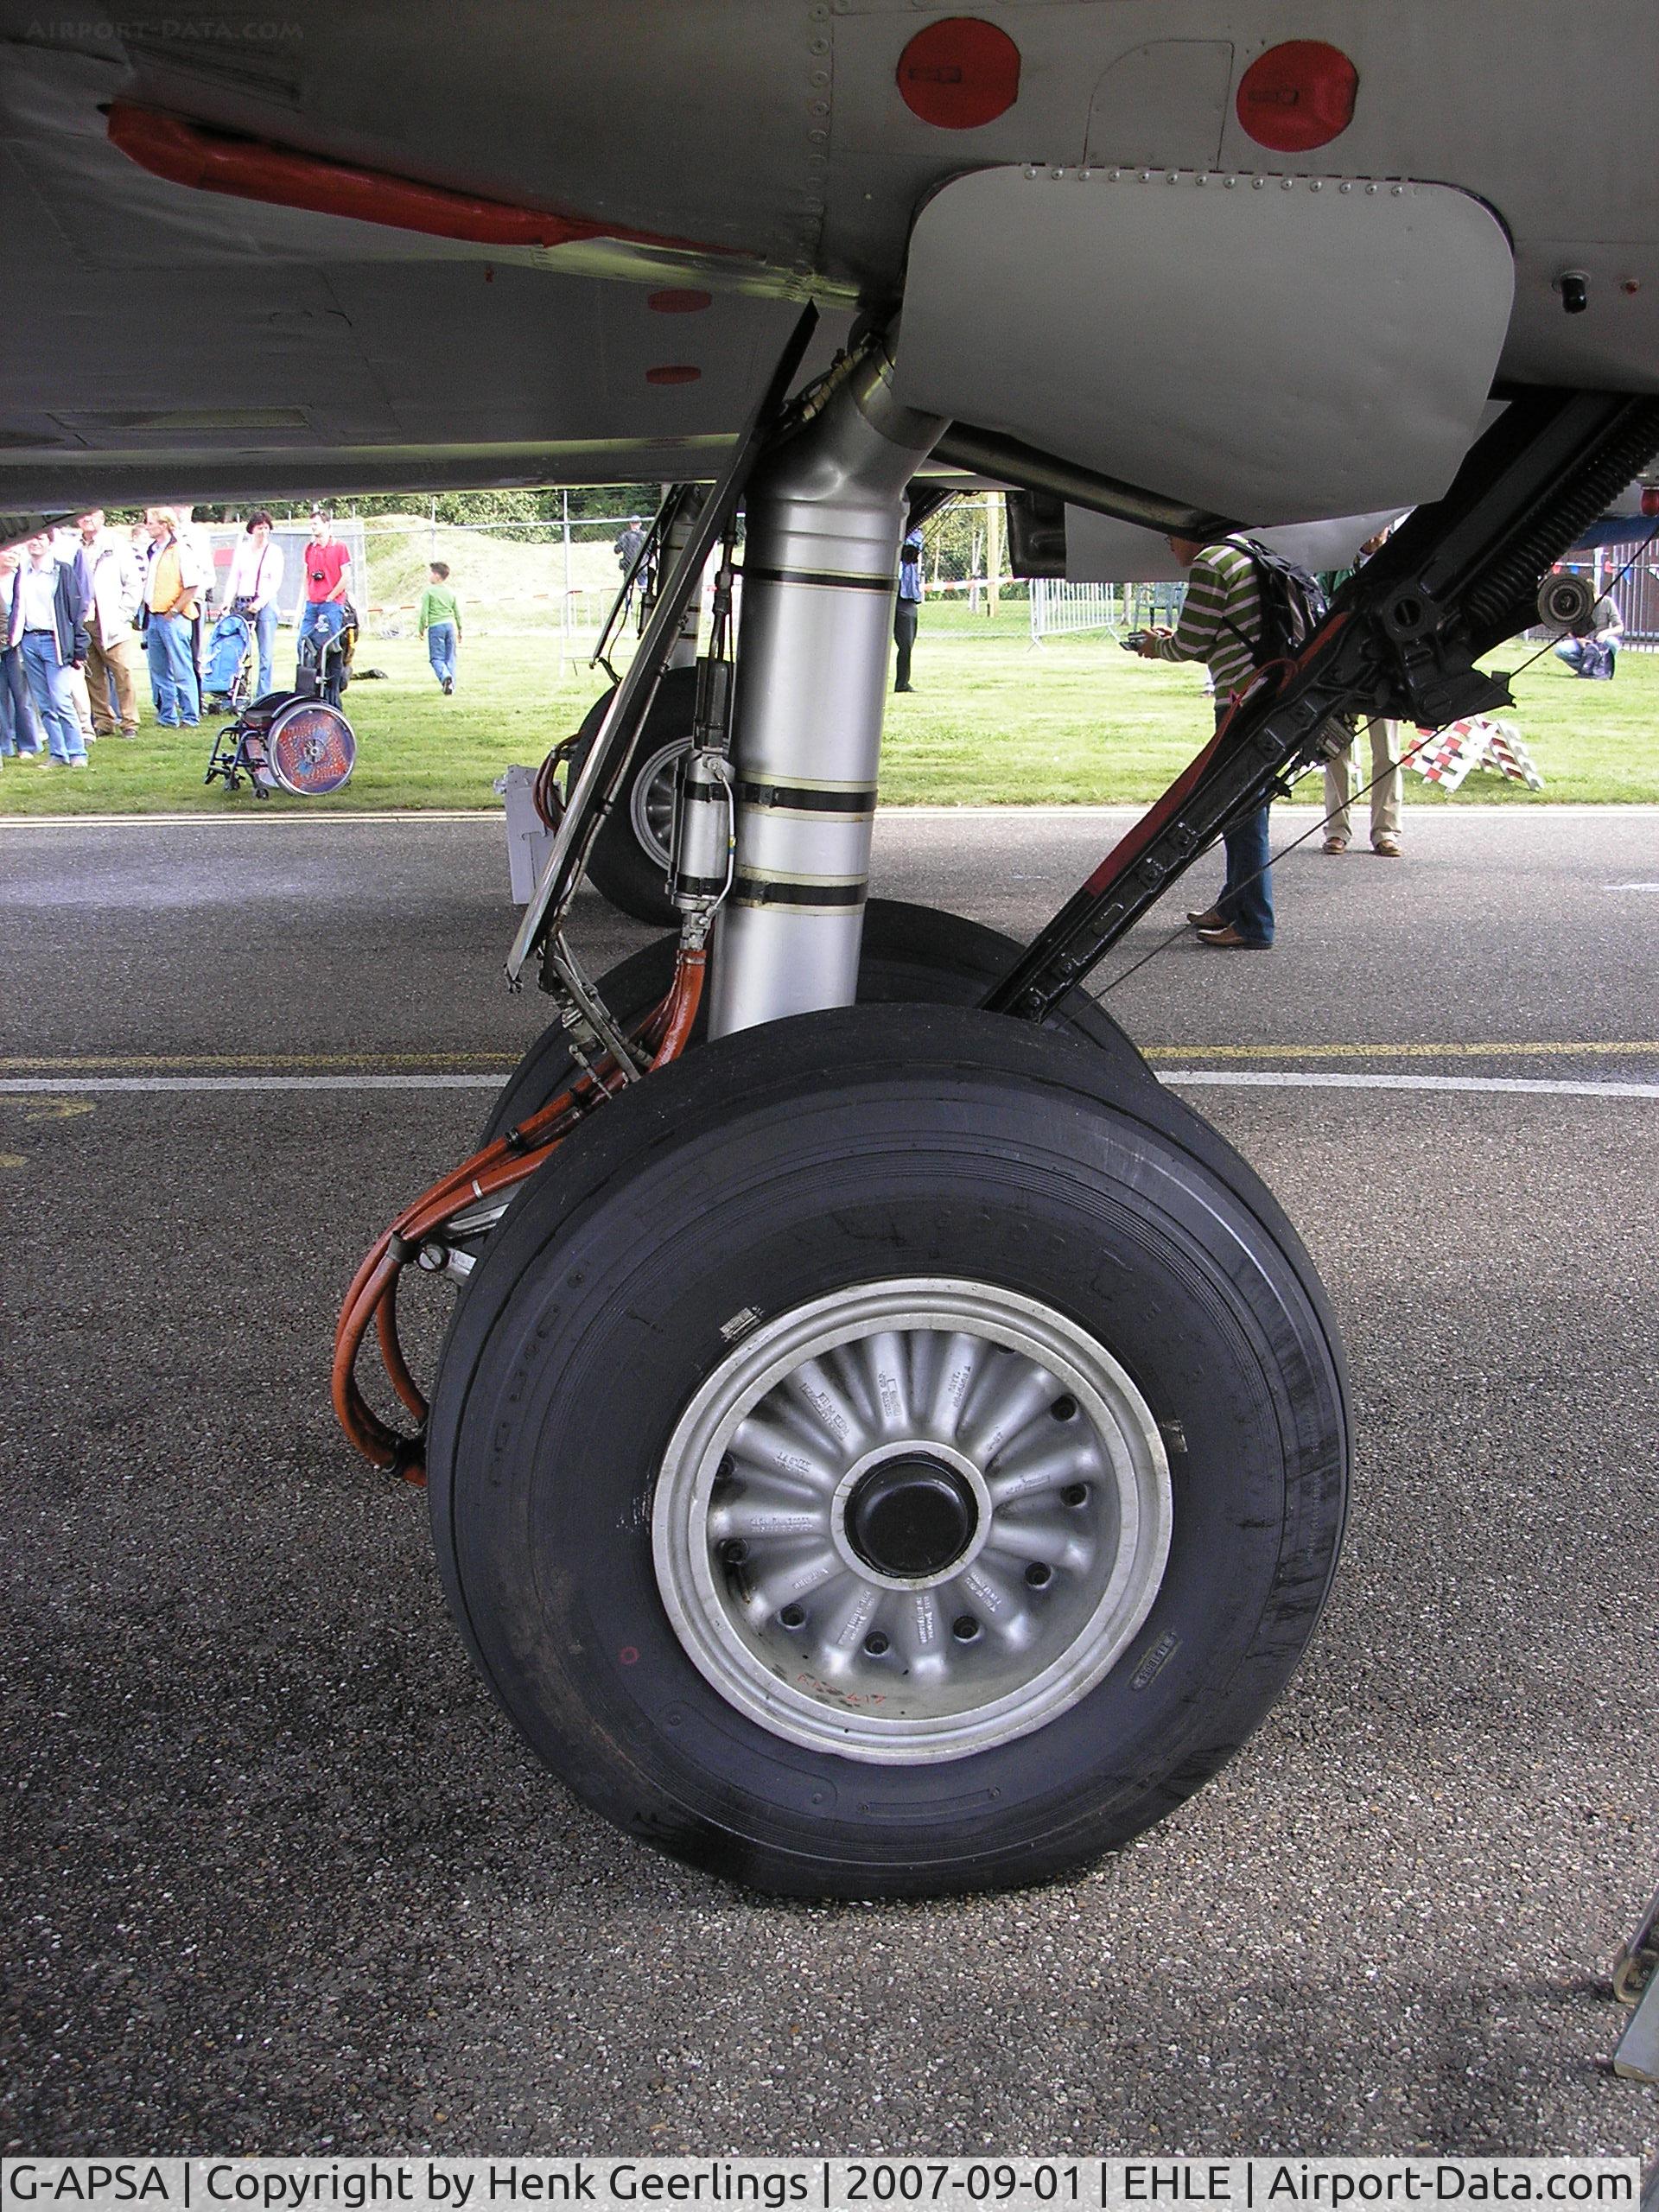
x=1221, y=625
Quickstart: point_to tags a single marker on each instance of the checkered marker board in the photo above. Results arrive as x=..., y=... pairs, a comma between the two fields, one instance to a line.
x=1451, y=754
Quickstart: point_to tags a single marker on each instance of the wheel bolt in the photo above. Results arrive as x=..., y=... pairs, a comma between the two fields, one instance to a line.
x=1038, y=1575
x=875, y=1644
x=792, y=1616
x=1075, y=1494
x=726, y=1469
x=1064, y=1409
x=735, y=1551
x=965, y=1628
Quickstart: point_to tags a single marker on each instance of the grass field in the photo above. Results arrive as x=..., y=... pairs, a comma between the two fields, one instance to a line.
x=991, y=722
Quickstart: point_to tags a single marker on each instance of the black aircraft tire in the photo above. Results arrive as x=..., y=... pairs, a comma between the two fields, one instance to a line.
x=912, y=956
x=620, y=867
x=806, y=1169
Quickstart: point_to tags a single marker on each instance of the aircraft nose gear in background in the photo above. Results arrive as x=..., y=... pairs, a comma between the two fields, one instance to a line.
x=898, y=1449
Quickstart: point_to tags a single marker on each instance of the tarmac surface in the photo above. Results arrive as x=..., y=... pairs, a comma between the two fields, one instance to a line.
x=278, y=1877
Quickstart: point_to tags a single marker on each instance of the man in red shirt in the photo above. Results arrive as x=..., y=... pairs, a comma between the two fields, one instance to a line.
x=327, y=588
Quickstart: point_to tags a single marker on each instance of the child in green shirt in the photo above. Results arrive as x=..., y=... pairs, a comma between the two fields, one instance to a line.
x=440, y=625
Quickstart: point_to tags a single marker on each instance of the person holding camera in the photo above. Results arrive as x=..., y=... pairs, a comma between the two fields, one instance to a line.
x=328, y=591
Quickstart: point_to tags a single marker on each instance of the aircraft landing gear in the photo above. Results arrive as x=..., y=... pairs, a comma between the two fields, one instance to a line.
x=876, y=1457
x=899, y=1449
x=630, y=859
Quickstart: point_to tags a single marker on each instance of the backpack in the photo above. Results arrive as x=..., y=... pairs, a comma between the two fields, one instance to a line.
x=1293, y=605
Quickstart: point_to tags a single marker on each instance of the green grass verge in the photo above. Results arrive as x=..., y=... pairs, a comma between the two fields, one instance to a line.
x=991, y=723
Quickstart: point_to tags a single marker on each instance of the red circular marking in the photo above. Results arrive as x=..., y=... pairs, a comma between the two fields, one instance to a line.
x=628, y=1655
x=1651, y=499
x=679, y=302
x=1298, y=96
x=678, y=372
x=959, y=73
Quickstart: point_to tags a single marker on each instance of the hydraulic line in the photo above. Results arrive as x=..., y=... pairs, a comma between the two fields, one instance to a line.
x=490, y=1173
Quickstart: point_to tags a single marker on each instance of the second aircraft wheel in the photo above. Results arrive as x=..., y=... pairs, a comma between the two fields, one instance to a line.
x=912, y=956
x=879, y=1456
x=629, y=862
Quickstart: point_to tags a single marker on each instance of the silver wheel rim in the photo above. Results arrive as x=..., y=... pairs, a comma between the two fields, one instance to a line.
x=932, y=1405
x=651, y=806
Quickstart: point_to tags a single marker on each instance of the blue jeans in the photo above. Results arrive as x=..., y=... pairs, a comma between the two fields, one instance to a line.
x=1598, y=661
x=48, y=679
x=1247, y=897
x=172, y=671
x=442, y=646
x=265, y=638
x=20, y=721
x=323, y=619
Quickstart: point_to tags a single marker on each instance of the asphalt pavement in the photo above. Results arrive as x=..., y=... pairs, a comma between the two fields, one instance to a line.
x=278, y=1876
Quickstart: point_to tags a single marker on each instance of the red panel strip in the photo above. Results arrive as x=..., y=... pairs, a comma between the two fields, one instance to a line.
x=248, y=169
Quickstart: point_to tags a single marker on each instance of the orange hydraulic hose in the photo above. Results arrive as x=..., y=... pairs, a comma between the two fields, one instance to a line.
x=684, y=997
x=372, y=1295
x=392, y=1351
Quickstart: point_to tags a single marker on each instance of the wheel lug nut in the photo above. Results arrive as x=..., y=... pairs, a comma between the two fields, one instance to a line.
x=793, y=1616
x=875, y=1644
x=1075, y=1494
x=735, y=1551
x=1064, y=1409
x=1038, y=1575
x=965, y=1628
x=727, y=1468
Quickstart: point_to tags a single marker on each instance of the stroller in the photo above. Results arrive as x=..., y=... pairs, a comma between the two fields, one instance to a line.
x=227, y=679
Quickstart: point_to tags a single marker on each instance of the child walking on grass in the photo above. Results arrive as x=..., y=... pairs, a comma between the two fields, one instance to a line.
x=440, y=625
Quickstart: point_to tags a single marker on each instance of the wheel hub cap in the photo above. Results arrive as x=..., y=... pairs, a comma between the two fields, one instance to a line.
x=912, y=1520
x=911, y=1517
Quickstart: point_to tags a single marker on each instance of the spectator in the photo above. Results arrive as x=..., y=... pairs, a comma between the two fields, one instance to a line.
x=172, y=590
x=1597, y=655
x=626, y=547
x=440, y=625
x=20, y=721
x=1342, y=771
x=112, y=589
x=907, y=607
x=252, y=589
x=327, y=588
x=46, y=628
x=1221, y=625
x=66, y=547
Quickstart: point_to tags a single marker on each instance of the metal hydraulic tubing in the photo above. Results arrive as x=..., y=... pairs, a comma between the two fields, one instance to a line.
x=683, y=653
x=825, y=516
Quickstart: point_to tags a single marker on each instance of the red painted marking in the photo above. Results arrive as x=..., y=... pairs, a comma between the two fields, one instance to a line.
x=628, y=1657
x=1651, y=499
x=250, y=169
x=679, y=302
x=959, y=73
x=1298, y=96
x=677, y=372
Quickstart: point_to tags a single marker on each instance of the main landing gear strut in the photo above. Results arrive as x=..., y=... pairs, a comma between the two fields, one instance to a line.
x=898, y=1448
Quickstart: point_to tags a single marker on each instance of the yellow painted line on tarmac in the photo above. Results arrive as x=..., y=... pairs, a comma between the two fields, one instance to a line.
x=365, y=1063
x=1414, y=1052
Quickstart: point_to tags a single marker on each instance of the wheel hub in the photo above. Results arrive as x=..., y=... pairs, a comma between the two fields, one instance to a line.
x=911, y=1517
x=912, y=1520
